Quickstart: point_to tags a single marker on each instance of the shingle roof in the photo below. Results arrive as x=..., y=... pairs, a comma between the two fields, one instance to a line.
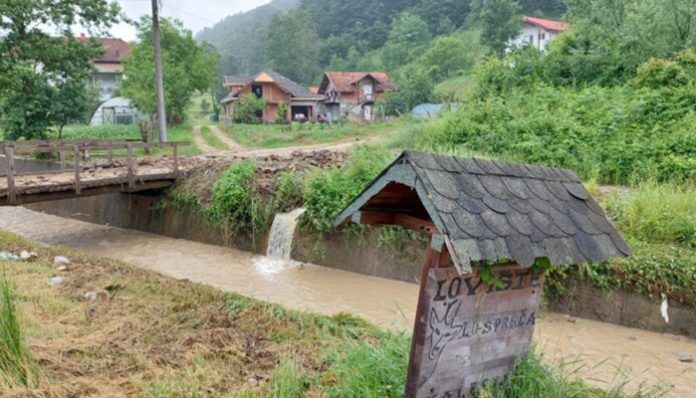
x=294, y=89
x=552, y=26
x=114, y=49
x=491, y=210
x=345, y=82
x=236, y=80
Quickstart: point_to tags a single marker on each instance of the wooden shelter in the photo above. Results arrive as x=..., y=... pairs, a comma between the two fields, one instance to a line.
x=509, y=219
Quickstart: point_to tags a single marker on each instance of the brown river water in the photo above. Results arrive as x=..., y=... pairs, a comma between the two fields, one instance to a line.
x=603, y=354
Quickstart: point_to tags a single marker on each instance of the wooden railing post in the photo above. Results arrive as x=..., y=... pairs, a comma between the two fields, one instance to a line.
x=131, y=181
x=9, y=157
x=109, y=151
x=76, y=155
x=61, y=156
x=176, y=160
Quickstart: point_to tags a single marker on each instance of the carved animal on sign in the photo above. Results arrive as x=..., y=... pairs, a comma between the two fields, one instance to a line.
x=442, y=331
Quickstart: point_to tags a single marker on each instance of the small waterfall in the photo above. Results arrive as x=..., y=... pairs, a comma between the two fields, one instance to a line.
x=280, y=238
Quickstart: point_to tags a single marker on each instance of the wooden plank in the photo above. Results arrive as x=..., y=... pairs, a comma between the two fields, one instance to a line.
x=468, y=331
x=110, y=151
x=61, y=156
x=406, y=221
x=76, y=166
x=11, y=192
x=131, y=178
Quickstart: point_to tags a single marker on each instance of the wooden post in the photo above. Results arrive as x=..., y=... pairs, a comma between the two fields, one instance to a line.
x=131, y=181
x=11, y=193
x=432, y=259
x=110, y=152
x=76, y=155
x=61, y=156
x=176, y=160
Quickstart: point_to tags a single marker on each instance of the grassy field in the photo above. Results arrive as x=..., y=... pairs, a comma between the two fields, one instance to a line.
x=276, y=136
x=152, y=336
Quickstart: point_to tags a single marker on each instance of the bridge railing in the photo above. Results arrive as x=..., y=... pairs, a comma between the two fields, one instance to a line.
x=65, y=148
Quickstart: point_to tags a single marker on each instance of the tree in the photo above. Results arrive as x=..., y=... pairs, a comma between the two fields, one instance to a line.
x=73, y=101
x=37, y=69
x=292, y=46
x=188, y=68
x=449, y=54
x=247, y=109
x=500, y=20
x=408, y=35
x=414, y=86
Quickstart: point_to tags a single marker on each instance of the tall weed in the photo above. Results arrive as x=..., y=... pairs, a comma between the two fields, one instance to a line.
x=657, y=213
x=16, y=367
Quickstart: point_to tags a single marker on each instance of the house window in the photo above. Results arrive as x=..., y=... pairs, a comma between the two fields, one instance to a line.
x=257, y=89
x=542, y=36
x=530, y=39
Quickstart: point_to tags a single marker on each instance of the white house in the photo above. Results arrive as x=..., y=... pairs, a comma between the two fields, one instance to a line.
x=537, y=32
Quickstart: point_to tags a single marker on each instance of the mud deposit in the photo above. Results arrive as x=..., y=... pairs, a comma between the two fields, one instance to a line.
x=606, y=354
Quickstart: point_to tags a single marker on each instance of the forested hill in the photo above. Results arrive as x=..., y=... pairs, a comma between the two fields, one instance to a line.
x=243, y=34
x=340, y=25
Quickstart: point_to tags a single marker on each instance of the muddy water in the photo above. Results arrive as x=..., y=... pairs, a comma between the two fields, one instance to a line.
x=607, y=354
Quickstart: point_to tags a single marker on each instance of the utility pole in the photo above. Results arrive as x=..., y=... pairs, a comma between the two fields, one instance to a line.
x=161, y=116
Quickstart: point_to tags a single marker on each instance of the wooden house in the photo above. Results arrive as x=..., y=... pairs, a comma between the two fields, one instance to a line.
x=353, y=94
x=276, y=89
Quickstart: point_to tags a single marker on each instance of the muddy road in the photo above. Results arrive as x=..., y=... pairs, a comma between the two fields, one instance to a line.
x=605, y=354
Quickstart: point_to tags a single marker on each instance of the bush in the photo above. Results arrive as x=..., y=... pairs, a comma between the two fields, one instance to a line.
x=328, y=191
x=247, y=108
x=617, y=134
x=235, y=203
x=657, y=213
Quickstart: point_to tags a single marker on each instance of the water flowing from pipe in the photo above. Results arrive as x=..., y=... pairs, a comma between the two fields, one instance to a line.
x=279, y=248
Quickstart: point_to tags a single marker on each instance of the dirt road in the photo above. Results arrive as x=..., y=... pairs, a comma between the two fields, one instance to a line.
x=608, y=353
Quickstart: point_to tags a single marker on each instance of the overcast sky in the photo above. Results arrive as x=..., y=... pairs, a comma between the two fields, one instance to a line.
x=195, y=14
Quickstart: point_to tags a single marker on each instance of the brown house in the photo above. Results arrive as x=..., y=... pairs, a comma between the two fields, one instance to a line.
x=276, y=89
x=353, y=94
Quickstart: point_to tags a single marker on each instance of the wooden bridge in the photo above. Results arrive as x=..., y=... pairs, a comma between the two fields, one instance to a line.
x=84, y=168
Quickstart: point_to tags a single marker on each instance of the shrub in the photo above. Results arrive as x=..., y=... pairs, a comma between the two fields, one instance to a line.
x=247, y=109
x=657, y=213
x=235, y=203
x=328, y=191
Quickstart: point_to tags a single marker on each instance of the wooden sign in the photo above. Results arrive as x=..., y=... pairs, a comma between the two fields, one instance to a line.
x=470, y=332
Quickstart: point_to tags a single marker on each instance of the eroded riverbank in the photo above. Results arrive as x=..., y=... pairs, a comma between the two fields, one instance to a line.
x=608, y=353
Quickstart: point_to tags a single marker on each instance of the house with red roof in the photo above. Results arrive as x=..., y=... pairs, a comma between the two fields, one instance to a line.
x=537, y=32
x=108, y=69
x=352, y=94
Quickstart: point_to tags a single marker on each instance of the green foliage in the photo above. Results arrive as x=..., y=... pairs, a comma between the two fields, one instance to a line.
x=235, y=203
x=657, y=213
x=248, y=107
x=288, y=192
x=448, y=55
x=408, y=36
x=112, y=132
x=534, y=378
x=16, y=367
x=369, y=369
x=282, y=113
x=187, y=67
x=678, y=71
x=415, y=86
x=44, y=76
x=500, y=20
x=328, y=191
x=291, y=46
x=617, y=134
x=288, y=380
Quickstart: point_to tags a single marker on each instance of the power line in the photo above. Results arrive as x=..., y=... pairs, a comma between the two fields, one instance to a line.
x=189, y=13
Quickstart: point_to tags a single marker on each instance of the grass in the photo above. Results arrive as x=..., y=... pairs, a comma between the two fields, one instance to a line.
x=654, y=212
x=160, y=337
x=16, y=366
x=277, y=136
x=212, y=140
